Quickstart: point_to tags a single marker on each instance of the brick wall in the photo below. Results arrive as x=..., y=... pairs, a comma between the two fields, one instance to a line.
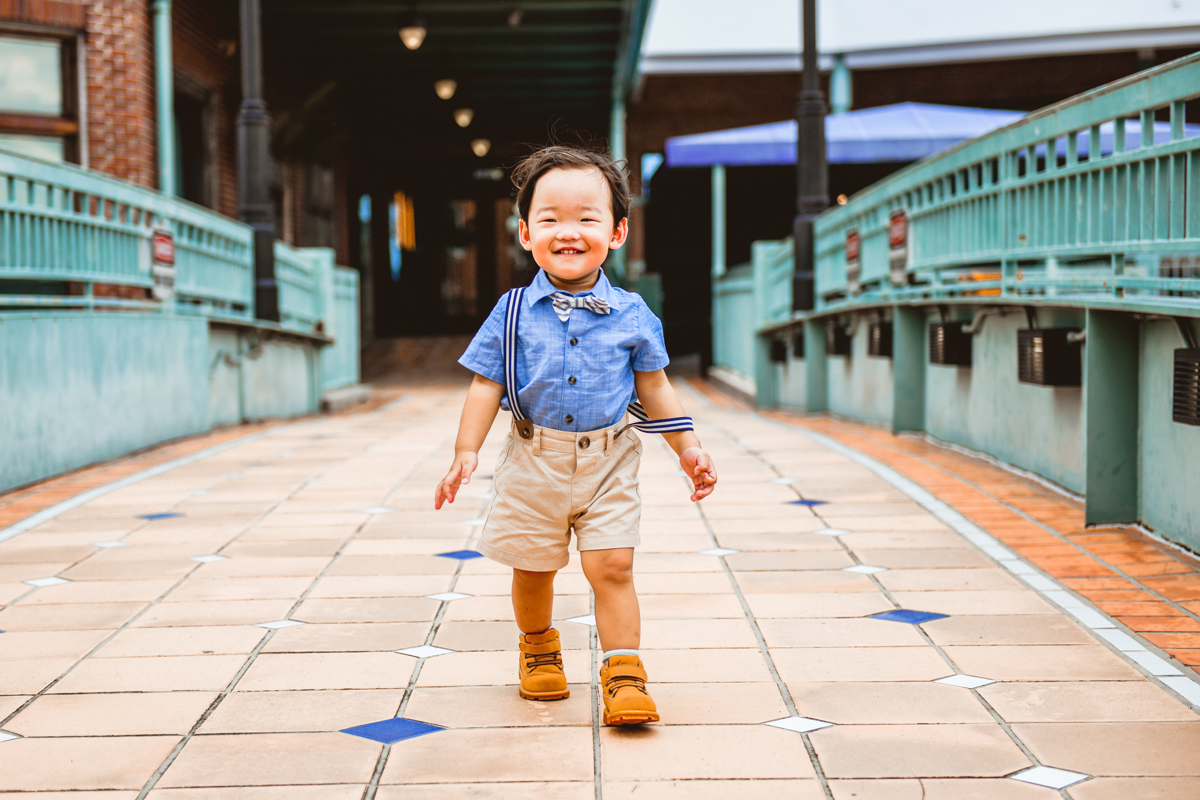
x=56, y=13
x=120, y=82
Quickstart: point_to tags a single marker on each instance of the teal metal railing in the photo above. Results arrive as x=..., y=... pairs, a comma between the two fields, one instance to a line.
x=749, y=297
x=65, y=230
x=1071, y=206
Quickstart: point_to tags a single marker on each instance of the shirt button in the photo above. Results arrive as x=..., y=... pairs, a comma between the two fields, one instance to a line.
x=571, y=380
x=584, y=443
x=574, y=341
x=570, y=419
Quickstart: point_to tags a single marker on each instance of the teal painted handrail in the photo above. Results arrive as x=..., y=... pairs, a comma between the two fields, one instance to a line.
x=994, y=219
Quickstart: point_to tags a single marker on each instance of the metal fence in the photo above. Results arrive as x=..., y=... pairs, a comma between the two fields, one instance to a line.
x=749, y=297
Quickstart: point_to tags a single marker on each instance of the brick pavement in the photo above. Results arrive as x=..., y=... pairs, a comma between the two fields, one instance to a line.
x=142, y=672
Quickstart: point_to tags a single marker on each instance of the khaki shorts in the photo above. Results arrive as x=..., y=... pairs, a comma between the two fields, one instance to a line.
x=555, y=482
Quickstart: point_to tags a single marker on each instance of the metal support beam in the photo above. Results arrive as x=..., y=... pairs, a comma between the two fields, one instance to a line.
x=164, y=86
x=718, y=220
x=812, y=170
x=254, y=165
x=908, y=369
x=816, y=367
x=616, y=143
x=841, y=86
x=1111, y=369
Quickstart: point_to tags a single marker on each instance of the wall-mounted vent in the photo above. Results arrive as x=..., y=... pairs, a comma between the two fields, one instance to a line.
x=778, y=350
x=948, y=344
x=837, y=341
x=879, y=339
x=798, y=345
x=1185, y=406
x=1046, y=357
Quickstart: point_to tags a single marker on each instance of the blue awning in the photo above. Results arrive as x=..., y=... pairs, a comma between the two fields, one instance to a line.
x=900, y=132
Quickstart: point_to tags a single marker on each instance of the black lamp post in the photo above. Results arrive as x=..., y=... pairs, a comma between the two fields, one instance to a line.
x=254, y=166
x=812, y=171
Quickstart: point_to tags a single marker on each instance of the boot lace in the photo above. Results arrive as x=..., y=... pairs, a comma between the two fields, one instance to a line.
x=535, y=660
x=619, y=682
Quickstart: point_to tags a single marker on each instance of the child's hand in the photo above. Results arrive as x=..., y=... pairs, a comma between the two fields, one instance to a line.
x=700, y=468
x=465, y=464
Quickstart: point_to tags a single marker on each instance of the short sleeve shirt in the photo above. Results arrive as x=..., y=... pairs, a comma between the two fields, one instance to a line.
x=576, y=375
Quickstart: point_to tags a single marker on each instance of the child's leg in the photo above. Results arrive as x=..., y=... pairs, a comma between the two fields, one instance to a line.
x=618, y=618
x=533, y=600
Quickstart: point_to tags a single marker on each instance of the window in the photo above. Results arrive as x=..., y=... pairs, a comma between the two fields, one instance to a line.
x=37, y=101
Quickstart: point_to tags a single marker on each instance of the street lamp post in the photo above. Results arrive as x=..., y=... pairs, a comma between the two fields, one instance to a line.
x=812, y=171
x=254, y=166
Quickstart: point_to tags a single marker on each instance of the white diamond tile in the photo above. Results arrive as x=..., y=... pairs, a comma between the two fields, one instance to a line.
x=718, y=551
x=208, y=559
x=473, y=522
x=5, y=736
x=864, y=569
x=1041, y=583
x=1017, y=567
x=448, y=596
x=799, y=724
x=40, y=582
x=377, y=510
x=1153, y=664
x=588, y=619
x=1188, y=688
x=280, y=623
x=424, y=651
x=965, y=681
x=107, y=545
x=1120, y=640
x=784, y=481
x=831, y=532
x=1049, y=777
x=1091, y=618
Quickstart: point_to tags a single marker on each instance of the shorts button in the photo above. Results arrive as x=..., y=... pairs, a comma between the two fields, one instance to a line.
x=574, y=341
x=571, y=380
x=584, y=443
x=570, y=419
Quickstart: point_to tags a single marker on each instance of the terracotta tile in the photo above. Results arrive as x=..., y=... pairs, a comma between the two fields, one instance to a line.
x=273, y=758
x=1118, y=749
x=1043, y=663
x=1072, y=567
x=85, y=616
x=939, y=789
x=82, y=763
x=666, y=752
x=866, y=703
x=1126, y=596
x=1093, y=701
x=1176, y=587
x=501, y=707
x=195, y=641
x=1179, y=624
x=1157, y=568
x=1007, y=630
x=548, y=754
x=1193, y=607
x=1141, y=788
x=935, y=751
x=1176, y=641
x=112, y=714
x=297, y=671
x=1189, y=657
x=1137, y=609
x=800, y=665
x=156, y=674
x=923, y=559
x=559, y=790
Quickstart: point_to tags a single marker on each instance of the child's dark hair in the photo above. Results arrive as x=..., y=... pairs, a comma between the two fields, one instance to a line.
x=527, y=173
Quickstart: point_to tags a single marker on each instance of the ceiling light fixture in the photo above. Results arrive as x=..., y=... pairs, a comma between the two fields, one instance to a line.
x=463, y=117
x=413, y=35
x=515, y=17
x=446, y=88
x=480, y=147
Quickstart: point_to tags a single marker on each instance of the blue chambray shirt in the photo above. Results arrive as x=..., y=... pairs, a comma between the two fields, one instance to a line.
x=607, y=349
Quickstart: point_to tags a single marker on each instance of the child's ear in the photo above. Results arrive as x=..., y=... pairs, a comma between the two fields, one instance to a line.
x=523, y=236
x=619, y=235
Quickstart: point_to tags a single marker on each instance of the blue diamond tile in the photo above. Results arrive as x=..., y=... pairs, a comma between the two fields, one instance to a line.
x=462, y=555
x=905, y=615
x=159, y=516
x=809, y=503
x=390, y=731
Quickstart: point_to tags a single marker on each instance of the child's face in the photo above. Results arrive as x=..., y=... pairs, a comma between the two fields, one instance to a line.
x=570, y=228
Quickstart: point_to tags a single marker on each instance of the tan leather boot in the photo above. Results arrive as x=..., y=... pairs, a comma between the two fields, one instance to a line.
x=541, y=669
x=626, y=701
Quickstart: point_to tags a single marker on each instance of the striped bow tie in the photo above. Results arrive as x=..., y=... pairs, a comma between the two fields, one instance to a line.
x=563, y=303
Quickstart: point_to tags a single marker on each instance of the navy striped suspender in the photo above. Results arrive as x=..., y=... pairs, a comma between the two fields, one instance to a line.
x=512, y=316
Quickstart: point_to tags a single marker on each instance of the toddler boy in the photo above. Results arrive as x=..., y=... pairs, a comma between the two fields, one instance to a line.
x=566, y=355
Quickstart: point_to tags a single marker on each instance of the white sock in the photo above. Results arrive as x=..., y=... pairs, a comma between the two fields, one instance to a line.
x=610, y=653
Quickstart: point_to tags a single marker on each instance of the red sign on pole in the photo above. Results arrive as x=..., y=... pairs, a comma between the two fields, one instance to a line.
x=898, y=228
x=164, y=248
x=853, y=244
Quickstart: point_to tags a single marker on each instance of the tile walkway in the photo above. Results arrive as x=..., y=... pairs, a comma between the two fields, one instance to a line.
x=337, y=649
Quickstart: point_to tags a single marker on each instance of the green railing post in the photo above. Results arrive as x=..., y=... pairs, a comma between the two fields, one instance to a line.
x=816, y=367
x=718, y=220
x=908, y=369
x=1111, y=368
x=164, y=84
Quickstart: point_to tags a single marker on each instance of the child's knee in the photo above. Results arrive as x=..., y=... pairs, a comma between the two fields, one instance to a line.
x=610, y=566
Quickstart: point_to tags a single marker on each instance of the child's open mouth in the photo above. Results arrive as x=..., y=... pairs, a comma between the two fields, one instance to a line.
x=567, y=252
